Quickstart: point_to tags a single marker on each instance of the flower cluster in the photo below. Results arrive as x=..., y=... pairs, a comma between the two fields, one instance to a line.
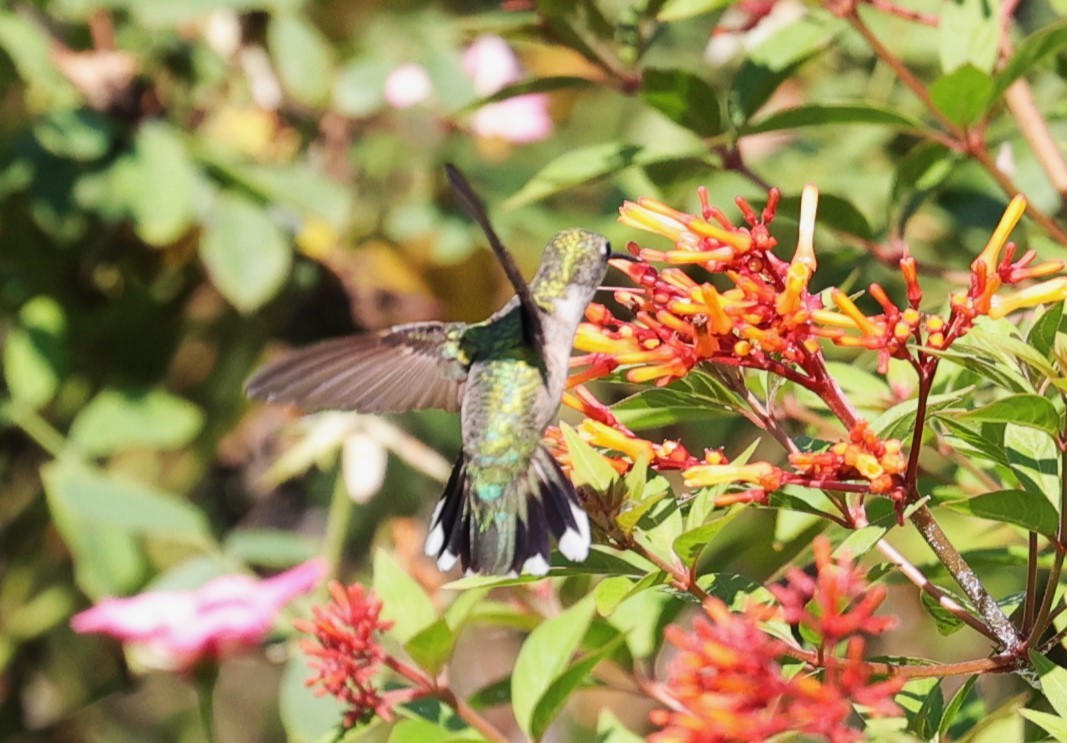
x=346, y=656
x=177, y=630
x=769, y=319
x=729, y=681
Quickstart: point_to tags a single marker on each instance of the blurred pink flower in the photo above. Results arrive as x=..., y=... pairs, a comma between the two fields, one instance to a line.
x=178, y=629
x=407, y=86
x=492, y=65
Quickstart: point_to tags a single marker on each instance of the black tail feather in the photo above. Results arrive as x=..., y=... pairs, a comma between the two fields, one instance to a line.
x=540, y=507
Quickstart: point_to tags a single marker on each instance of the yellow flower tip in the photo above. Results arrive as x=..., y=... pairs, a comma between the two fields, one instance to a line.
x=636, y=215
x=703, y=475
x=846, y=305
x=833, y=319
x=990, y=255
x=809, y=202
x=1053, y=290
x=868, y=466
x=603, y=435
x=316, y=238
x=739, y=241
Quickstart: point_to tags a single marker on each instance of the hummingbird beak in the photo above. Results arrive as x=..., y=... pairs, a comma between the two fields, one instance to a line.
x=616, y=255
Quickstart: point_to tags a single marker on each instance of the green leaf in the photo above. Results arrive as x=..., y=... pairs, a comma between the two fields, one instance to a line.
x=575, y=167
x=360, y=86
x=690, y=545
x=1023, y=508
x=245, y=253
x=1054, y=725
x=121, y=419
x=94, y=497
x=946, y=622
x=590, y=467
x=35, y=352
x=969, y=32
x=696, y=396
x=610, y=592
x=684, y=98
x=1031, y=411
x=769, y=65
x=306, y=716
x=271, y=548
x=404, y=602
x=559, y=691
x=822, y=114
x=31, y=49
x=837, y=213
x=580, y=25
x=543, y=658
x=1031, y=51
x=302, y=56
x=1042, y=335
x=1053, y=681
x=610, y=730
x=680, y=10
x=1033, y=459
x=963, y=95
x=432, y=646
x=525, y=87
x=158, y=184
x=860, y=542
x=959, y=699
x=75, y=133
x=899, y=420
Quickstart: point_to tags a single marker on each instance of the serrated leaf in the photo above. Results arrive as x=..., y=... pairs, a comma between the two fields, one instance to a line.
x=120, y=419
x=946, y=622
x=684, y=98
x=302, y=56
x=963, y=95
x=821, y=114
x=690, y=545
x=1020, y=507
x=245, y=253
x=1031, y=411
x=404, y=601
x=590, y=467
x=1053, y=681
x=544, y=656
x=697, y=396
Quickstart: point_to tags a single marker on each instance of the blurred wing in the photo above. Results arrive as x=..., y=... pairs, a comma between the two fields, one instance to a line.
x=531, y=319
x=407, y=367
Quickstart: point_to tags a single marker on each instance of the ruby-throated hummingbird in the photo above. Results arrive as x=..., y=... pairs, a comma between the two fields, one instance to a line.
x=505, y=375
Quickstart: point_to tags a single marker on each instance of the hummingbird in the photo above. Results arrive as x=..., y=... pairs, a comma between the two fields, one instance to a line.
x=506, y=497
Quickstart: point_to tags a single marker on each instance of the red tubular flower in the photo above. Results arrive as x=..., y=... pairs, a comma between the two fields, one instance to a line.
x=727, y=682
x=345, y=654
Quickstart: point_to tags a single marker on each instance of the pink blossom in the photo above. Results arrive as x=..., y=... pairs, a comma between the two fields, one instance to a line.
x=492, y=65
x=407, y=86
x=178, y=629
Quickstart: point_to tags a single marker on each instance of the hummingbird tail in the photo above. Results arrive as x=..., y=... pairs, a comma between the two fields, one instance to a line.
x=510, y=533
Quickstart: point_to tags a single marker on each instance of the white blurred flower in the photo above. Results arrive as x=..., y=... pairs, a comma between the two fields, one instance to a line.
x=735, y=36
x=490, y=64
x=363, y=462
x=407, y=86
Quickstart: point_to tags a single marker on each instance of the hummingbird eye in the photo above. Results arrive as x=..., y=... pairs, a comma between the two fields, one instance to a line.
x=605, y=249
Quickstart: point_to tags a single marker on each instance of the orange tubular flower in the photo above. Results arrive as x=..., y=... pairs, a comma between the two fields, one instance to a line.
x=727, y=682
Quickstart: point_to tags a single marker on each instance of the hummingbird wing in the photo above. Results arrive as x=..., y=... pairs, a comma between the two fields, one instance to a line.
x=531, y=319
x=406, y=367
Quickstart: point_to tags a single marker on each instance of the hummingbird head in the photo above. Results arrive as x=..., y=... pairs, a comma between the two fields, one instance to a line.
x=572, y=268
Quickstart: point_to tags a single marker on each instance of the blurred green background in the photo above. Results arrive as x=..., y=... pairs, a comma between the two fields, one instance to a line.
x=186, y=187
